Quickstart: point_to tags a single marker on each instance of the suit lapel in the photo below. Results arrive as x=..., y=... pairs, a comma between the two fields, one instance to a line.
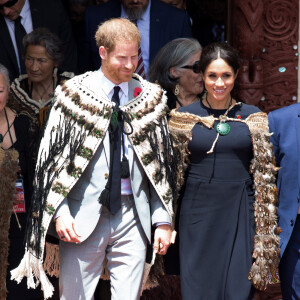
x=132, y=84
x=106, y=146
x=7, y=43
x=93, y=85
x=297, y=124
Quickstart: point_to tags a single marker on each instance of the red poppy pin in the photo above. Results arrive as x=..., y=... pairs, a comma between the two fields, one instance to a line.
x=238, y=116
x=137, y=91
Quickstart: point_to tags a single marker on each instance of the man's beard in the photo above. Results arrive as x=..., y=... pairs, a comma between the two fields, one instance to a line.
x=135, y=13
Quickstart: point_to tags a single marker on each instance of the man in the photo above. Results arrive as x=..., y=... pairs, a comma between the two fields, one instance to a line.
x=285, y=126
x=158, y=23
x=98, y=215
x=18, y=17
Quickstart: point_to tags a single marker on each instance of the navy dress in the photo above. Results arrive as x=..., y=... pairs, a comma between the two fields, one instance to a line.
x=216, y=224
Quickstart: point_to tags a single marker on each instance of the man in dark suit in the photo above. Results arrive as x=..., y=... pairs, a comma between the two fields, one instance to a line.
x=34, y=14
x=285, y=126
x=158, y=23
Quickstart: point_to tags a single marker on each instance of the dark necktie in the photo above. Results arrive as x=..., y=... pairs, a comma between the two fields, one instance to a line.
x=140, y=67
x=111, y=195
x=19, y=35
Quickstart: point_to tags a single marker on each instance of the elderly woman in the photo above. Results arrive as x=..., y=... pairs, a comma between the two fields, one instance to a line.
x=14, y=135
x=33, y=92
x=176, y=69
x=228, y=210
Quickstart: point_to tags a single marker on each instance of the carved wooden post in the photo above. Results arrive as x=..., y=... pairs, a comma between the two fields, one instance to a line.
x=280, y=53
x=247, y=37
x=266, y=34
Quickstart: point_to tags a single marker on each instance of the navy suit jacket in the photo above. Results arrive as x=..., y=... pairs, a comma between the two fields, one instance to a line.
x=166, y=24
x=49, y=14
x=285, y=125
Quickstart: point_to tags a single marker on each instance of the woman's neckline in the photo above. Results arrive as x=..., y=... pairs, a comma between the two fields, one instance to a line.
x=211, y=109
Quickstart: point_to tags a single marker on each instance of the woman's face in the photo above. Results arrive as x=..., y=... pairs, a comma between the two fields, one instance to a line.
x=3, y=92
x=219, y=80
x=190, y=82
x=39, y=65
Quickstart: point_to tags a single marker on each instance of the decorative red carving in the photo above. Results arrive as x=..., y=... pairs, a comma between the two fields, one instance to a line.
x=253, y=11
x=247, y=34
x=280, y=55
x=280, y=19
x=266, y=34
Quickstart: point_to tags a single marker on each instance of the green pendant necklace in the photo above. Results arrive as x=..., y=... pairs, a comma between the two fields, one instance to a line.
x=222, y=127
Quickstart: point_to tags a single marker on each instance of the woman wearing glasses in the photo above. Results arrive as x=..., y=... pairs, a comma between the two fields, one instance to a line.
x=228, y=205
x=176, y=69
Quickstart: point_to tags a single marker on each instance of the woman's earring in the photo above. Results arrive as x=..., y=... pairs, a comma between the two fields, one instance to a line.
x=176, y=91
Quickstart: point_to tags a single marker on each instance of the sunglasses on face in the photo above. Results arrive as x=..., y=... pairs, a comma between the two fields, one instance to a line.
x=9, y=3
x=195, y=67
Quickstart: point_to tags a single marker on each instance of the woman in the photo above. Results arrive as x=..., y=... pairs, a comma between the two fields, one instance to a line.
x=225, y=207
x=14, y=134
x=32, y=93
x=176, y=69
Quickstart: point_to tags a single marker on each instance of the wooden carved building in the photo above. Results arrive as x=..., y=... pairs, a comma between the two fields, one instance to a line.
x=266, y=33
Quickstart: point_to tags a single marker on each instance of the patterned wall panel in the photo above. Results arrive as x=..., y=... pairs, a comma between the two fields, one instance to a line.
x=266, y=35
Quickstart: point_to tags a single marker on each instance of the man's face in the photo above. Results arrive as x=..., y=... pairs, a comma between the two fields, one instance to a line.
x=135, y=8
x=11, y=9
x=119, y=64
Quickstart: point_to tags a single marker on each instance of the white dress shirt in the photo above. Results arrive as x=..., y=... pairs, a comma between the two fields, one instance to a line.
x=26, y=21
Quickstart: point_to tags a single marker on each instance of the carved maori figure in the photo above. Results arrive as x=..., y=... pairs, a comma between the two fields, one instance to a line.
x=266, y=34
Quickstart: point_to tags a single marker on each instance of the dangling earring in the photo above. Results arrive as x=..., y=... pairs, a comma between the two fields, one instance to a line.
x=176, y=91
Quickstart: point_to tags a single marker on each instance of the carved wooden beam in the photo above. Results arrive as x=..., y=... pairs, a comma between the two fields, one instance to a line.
x=266, y=34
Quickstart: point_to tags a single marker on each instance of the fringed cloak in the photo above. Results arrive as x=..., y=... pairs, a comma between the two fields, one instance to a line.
x=20, y=101
x=77, y=124
x=266, y=240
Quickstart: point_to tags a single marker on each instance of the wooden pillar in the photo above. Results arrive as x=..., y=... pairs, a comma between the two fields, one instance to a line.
x=266, y=34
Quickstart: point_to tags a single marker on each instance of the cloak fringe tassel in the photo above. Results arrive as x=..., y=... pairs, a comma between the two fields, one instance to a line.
x=31, y=267
x=51, y=263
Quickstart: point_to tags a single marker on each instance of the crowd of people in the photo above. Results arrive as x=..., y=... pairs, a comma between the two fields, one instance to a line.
x=144, y=142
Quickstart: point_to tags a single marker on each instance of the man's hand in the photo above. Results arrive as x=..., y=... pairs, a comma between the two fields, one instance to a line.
x=162, y=239
x=67, y=229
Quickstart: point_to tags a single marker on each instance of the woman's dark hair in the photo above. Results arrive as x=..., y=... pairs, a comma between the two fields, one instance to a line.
x=176, y=53
x=219, y=50
x=45, y=38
